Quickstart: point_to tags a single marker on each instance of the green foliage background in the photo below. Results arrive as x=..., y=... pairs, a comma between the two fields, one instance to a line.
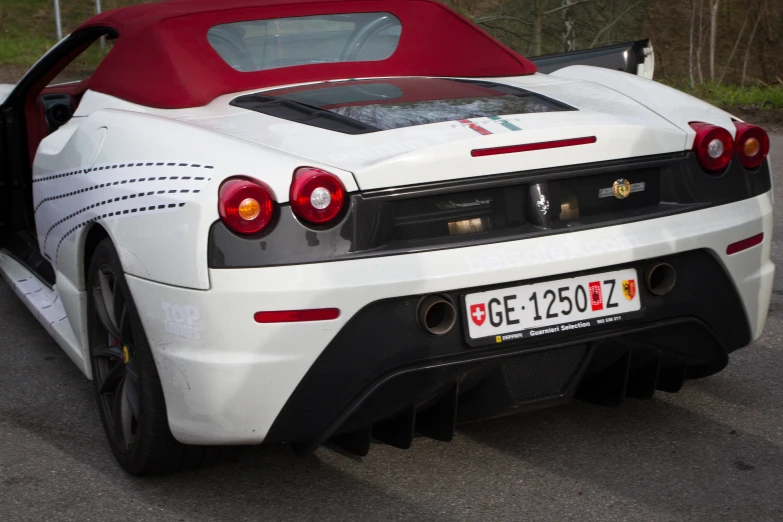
x=533, y=27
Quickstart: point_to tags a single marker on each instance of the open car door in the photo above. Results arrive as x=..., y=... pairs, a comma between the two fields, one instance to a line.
x=17, y=227
x=17, y=224
x=634, y=58
x=25, y=119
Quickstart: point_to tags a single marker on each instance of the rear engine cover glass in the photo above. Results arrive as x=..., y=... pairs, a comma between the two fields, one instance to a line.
x=364, y=106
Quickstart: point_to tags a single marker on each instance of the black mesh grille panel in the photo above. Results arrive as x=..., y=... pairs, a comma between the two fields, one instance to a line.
x=543, y=374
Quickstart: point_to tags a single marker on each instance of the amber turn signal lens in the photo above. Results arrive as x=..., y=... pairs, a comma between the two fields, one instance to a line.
x=246, y=206
x=249, y=209
x=752, y=147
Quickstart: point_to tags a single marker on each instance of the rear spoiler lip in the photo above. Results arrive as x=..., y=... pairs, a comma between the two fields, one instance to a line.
x=631, y=57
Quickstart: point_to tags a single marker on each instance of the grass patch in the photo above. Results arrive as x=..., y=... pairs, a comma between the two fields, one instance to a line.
x=732, y=96
x=758, y=103
x=25, y=50
x=27, y=28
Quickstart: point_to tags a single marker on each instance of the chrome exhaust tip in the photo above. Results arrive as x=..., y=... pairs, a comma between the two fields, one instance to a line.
x=660, y=279
x=437, y=316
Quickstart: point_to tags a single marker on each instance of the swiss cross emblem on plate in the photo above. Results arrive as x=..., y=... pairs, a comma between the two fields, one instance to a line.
x=478, y=313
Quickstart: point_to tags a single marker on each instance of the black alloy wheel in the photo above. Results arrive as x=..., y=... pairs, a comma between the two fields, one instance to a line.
x=115, y=363
x=126, y=381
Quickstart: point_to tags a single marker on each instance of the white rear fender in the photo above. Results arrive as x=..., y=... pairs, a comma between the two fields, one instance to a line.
x=675, y=106
x=152, y=183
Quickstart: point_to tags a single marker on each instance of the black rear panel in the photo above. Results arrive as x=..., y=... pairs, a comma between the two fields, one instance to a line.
x=491, y=209
x=352, y=384
x=508, y=210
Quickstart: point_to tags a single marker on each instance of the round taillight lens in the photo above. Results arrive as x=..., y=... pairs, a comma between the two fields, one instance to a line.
x=713, y=146
x=245, y=206
x=752, y=145
x=316, y=195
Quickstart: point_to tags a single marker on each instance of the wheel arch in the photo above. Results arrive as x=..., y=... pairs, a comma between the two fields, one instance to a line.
x=92, y=238
x=72, y=288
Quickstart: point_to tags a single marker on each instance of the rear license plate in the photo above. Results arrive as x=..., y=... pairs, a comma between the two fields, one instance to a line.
x=566, y=305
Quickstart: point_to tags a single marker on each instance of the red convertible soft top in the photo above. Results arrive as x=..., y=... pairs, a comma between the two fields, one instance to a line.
x=163, y=58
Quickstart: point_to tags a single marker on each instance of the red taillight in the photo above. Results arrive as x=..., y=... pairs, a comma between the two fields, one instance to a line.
x=298, y=316
x=752, y=145
x=245, y=206
x=713, y=146
x=316, y=195
x=740, y=246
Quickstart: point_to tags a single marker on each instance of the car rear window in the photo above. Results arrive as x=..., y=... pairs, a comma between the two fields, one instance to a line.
x=286, y=42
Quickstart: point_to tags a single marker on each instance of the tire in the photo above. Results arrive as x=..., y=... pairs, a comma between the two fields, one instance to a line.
x=126, y=382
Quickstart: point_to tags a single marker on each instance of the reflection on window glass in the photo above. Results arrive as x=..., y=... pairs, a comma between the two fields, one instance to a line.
x=397, y=115
x=270, y=44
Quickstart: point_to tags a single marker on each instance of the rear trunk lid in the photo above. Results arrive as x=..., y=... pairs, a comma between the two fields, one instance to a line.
x=408, y=131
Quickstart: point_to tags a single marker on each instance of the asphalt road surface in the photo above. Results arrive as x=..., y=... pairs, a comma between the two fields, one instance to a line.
x=713, y=452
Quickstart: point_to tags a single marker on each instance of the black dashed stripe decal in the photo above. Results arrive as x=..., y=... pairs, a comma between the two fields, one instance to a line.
x=100, y=204
x=119, y=166
x=112, y=184
x=83, y=224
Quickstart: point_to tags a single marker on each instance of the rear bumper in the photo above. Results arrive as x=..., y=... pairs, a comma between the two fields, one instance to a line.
x=229, y=380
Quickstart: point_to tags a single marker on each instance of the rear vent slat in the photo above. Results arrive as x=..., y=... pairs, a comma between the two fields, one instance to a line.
x=458, y=214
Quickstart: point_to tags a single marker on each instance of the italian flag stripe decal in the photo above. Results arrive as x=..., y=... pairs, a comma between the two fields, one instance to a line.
x=507, y=124
x=477, y=128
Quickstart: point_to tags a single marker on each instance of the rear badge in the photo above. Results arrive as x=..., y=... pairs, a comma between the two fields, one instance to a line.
x=622, y=189
x=629, y=289
x=543, y=204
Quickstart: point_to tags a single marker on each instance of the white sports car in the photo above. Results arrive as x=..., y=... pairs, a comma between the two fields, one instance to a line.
x=307, y=221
